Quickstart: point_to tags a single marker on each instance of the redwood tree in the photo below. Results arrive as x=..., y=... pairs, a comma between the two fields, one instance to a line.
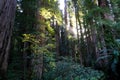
x=7, y=14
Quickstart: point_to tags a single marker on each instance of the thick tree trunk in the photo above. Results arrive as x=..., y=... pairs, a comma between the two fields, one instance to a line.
x=103, y=4
x=7, y=14
x=38, y=59
x=108, y=16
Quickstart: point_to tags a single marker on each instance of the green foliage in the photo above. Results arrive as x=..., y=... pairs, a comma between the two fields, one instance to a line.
x=48, y=56
x=15, y=72
x=46, y=13
x=69, y=70
x=49, y=9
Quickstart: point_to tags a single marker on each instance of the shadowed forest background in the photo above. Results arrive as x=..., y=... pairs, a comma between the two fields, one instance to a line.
x=50, y=40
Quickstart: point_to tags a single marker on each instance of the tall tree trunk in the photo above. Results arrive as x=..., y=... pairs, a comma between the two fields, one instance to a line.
x=7, y=14
x=57, y=37
x=102, y=4
x=38, y=58
x=107, y=16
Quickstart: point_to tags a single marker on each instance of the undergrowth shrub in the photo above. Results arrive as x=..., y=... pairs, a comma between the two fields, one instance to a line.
x=66, y=69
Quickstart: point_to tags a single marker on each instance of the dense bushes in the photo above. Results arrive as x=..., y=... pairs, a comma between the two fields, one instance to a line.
x=66, y=69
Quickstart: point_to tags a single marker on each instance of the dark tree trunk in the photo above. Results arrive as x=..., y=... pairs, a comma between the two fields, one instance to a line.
x=102, y=4
x=107, y=16
x=7, y=14
x=57, y=37
x=38, y=59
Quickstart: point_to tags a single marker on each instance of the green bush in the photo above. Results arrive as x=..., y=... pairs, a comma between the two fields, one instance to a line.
x=69, y=70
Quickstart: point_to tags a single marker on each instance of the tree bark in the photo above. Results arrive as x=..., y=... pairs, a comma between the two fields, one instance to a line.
x=38, y=59
x=7, y=14
x=108, y=16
